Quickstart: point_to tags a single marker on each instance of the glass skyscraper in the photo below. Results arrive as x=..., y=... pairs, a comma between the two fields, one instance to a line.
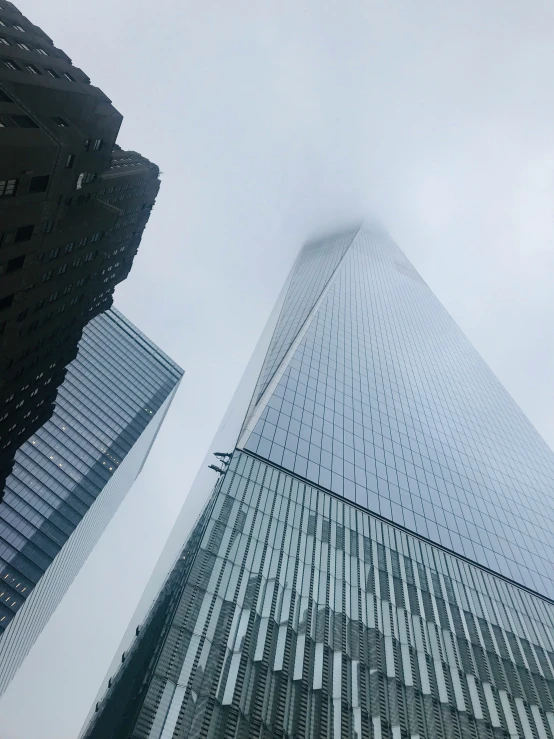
x=376, y=559
x=71, y=475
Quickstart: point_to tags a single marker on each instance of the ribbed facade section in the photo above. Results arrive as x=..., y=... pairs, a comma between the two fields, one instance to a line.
x=305, y=616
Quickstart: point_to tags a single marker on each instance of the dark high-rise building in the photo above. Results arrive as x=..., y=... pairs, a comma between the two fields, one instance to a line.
x=376, y=559
x=73, y=206
x=70, y=476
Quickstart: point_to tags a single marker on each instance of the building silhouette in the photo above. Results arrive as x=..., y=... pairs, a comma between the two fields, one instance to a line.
x=73, y=207
x=376, y=558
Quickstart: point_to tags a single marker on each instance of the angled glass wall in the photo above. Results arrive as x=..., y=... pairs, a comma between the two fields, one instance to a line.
x=110, y=404
x=386, y=403
x=375, y=561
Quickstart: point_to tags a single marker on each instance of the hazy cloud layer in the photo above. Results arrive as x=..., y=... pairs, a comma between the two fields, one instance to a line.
x=273, y=123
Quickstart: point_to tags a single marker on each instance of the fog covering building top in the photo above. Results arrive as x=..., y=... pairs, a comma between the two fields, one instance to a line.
x=376, y=559
x=71, y=475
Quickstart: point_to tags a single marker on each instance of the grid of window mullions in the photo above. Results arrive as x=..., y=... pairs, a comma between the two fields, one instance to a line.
x=116, y=424
x=391, y=370
x=82, y=446
x=365, y=371
x=329, y=396
x=418, y=414
x=132, y=378
x=44, y=543
x=26, y=570
x=54, y=446
x=119, y=441
x=41, y=521
x=82, y=432
x=120, y=392
x=83, y=484
x=312, y=272
x=43, y=507
x=81, y=395
x=49, y=493
x=14, y=547
x=153, y=372
x=54, y=476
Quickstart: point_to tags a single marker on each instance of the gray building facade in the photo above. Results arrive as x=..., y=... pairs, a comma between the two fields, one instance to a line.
x=70, y=476
x=376, y=558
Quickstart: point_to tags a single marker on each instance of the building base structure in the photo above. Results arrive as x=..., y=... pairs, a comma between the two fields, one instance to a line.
x=294, y=613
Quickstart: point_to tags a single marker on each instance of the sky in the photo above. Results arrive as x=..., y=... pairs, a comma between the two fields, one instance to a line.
x=273, y=123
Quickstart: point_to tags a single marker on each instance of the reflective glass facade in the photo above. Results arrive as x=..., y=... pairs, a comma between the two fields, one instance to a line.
x=386, y=403
x=108, y=408
x=376, y=559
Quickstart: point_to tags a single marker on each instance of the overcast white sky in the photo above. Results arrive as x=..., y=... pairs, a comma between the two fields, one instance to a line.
x=273, y=122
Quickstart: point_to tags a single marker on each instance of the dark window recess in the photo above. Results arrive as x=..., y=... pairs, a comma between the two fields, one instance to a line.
x=39, y=183
x=6, y=302
x=23, y=121
x=24, y=233
x=15, y=264
x=69, y=161
x=4, y=98
x=10, y=64
x=61, y=122
x=43, y=228
x=51, y=72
